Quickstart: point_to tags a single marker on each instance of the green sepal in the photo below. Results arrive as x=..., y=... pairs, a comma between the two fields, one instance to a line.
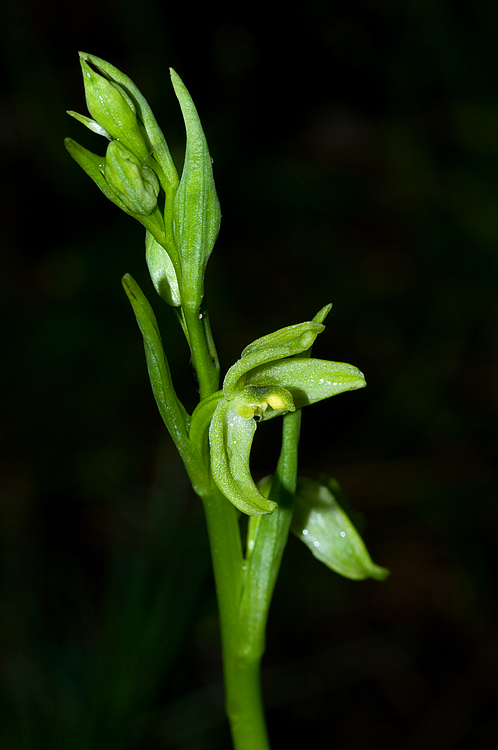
x=295, y=338
x=321, y=523
x=132, y=96
x=230, y=440
x=162, y=272
x=286, y=342
x=308, y=380
x=322, y=313
x=196, y=212
x=170, y=407
x=201, y=419
x=94, y=166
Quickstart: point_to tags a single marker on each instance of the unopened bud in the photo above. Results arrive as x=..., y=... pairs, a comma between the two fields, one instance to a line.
x=113, y=109
x=135, y=184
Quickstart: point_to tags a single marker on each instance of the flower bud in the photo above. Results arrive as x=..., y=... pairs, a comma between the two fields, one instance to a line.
x=135, y=184
x=162, y=272
x=114, y=110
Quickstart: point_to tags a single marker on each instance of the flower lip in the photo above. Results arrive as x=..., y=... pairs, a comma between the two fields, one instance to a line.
x=262, y=402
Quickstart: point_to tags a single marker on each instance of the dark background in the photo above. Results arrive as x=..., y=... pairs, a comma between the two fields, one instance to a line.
x=356, y=155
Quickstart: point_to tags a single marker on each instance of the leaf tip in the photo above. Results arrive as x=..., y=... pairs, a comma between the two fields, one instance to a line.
x=379, y=573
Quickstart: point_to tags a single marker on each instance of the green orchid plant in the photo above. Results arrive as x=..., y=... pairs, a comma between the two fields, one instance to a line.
x=274, y=377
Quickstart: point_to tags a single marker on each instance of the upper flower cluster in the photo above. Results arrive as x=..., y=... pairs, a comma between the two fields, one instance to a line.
x=137, y=173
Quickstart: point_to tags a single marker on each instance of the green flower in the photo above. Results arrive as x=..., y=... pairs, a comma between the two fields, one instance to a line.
x=269, y=380
x=183, y=228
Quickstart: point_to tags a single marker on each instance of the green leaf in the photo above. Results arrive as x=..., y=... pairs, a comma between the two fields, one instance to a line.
x=286, y=342
x=196, y=213
x=170, y=407
x=230, y=440
x=308, y=380
x=321, y=523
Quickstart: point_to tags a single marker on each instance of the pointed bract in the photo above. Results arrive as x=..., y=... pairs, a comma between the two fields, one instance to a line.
x=196, y=215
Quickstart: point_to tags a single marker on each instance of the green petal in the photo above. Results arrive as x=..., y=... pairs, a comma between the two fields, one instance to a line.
x=295, y=338
x=320, y=522
x=230, y=439
x=286, y=342
x=308, y=380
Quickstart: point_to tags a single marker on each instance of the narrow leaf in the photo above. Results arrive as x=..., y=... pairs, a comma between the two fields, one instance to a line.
x=171, y=409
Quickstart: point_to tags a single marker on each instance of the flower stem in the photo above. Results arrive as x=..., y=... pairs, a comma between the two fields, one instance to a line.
x=204, y=358
x=244, y=704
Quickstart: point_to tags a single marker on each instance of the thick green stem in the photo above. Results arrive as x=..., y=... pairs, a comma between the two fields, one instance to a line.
x=205, y=363
x=226, y=553
x=242, y=654
x=269, y=538
x=244, y=703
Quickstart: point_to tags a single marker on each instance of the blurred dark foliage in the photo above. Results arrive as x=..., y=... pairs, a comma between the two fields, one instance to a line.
x=356, y=156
